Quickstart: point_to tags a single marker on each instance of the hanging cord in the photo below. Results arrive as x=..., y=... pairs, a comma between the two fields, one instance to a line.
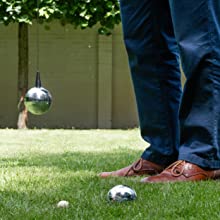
x=37, y=36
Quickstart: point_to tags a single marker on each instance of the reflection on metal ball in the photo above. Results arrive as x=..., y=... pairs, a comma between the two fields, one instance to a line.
x=121, y=193
x=38, y=99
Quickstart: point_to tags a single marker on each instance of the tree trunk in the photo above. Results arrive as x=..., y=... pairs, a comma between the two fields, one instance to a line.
x=22, y=74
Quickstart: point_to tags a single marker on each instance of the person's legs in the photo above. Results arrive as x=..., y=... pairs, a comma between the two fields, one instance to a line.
x=153, y=59
x=197, y=31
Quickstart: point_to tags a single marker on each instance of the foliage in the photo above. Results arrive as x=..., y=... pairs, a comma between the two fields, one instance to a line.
x=80, y=13
x=86, y=13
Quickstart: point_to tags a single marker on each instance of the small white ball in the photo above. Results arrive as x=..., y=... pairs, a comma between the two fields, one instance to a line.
x=63, y=204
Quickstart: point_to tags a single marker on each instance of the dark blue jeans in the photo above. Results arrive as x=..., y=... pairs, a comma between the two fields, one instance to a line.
x=178, y=125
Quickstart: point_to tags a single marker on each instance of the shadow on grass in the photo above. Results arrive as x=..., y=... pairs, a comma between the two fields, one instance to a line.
x=75, y=161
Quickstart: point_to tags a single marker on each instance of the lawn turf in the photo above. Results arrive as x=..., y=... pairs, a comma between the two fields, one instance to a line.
x=38, y=168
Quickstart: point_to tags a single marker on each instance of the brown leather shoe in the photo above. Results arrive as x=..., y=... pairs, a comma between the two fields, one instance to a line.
x=183, y=171
x=138, y=168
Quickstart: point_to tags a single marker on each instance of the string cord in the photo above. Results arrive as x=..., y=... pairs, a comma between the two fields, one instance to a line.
x=37, y=36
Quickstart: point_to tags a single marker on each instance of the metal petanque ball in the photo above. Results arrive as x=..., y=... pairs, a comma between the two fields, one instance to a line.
x=38, y=99
x=121, y=193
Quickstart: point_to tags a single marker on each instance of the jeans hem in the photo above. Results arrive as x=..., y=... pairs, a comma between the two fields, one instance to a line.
x=204, y=163
x=158, y=158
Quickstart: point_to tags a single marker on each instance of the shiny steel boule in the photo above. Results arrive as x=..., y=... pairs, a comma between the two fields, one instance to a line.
x=38, y=99
x=121, y=193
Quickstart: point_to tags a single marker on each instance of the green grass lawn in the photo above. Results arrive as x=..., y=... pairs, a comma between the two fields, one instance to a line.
x=38, y=168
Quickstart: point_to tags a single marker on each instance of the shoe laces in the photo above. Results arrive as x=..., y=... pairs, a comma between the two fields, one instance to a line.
x=138, y=165
x=177, y=168
x=135, y=167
